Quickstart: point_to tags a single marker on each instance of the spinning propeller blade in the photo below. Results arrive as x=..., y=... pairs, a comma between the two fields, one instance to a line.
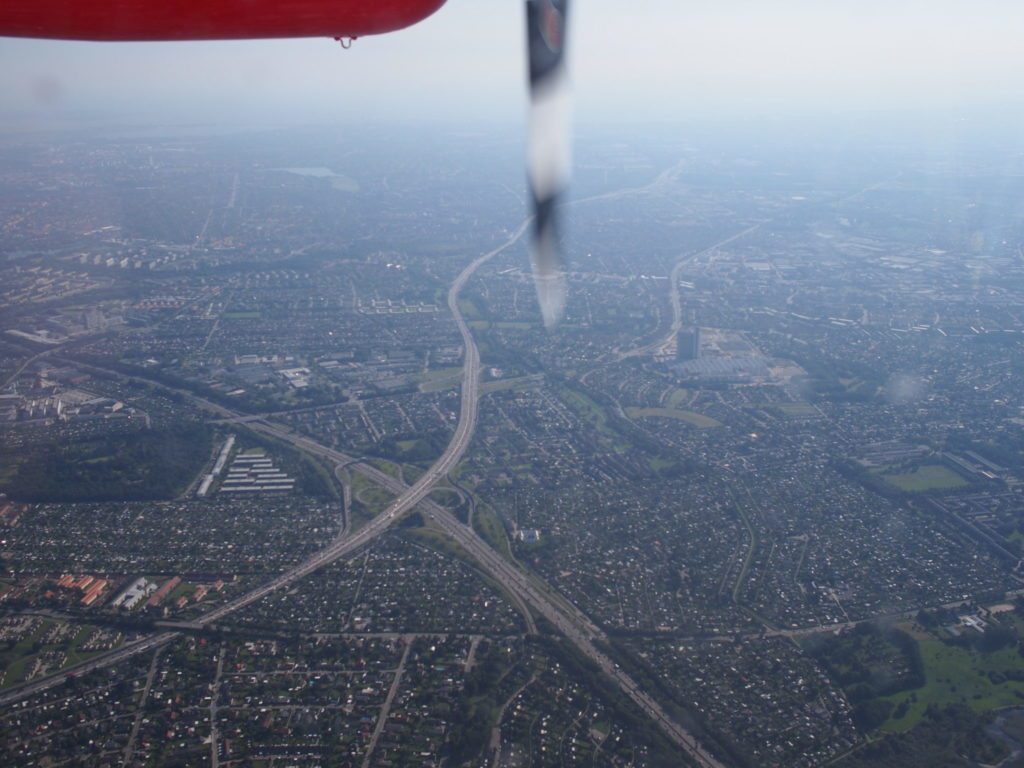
x=548, y=157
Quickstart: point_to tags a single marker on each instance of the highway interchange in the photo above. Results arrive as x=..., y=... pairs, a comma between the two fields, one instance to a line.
x=525, y=591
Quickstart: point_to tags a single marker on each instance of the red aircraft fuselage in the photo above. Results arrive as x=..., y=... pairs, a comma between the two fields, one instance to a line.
x=207, y=19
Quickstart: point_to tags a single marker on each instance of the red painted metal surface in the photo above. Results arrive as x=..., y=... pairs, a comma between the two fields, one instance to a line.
x=207, y=19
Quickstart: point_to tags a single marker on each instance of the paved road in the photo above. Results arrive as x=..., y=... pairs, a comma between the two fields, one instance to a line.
x=573, y=624
x=129, y=750
x=660, y=344
x=899, y=615
x=10, y=379
x=524, y=589
x=214, y=699
x=385, y=710
x=407, y=499
x=99, y=662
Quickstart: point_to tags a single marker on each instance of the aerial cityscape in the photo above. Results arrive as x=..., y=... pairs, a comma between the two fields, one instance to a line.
x=292, y=473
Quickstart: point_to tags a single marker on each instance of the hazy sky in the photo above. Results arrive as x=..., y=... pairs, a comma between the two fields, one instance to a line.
x=633, y=59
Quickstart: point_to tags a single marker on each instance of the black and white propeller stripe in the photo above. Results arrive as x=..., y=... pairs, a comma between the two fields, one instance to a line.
x=548, y=157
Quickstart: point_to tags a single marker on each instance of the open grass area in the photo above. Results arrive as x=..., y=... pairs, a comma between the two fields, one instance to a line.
x=487, y=524
x=505, y=325
x=658, y=465
x=371, y=500
x=375, y=499
x=858, y=386
x=409, y=451
x=17, y=661
x=140, y=465
x=387, y=467
x=8, y=469
x=690, y=417
x=341, y=183
x=445, y=497
x=442, y=373
x=411, y=473
x=469, y=309
x=514, y=325
x=957, y=675
x=75, y=655
x=930, y=477
x=440, y=379
x=588, y=410
x=518, y=383
x=796, y=410
x=678, y=397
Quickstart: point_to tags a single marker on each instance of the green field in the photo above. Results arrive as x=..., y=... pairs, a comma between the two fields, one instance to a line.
x=696, y=419
x=930, y=477
x=439, y=542
x=678, y=397
x=440, y=379
x=414, y=448
x=16, y=660
x=589, y=410
x=517, y=383
x=387, y=467
x=503, y=325
x=411, y=473
x=338, y=181
x=371, y=500
x=445, y=497
x=375, y=499
x=468, y=309
x=959, y=676
x=146, y=464
x=490, y=528
x=344, y=184
x=796, y=410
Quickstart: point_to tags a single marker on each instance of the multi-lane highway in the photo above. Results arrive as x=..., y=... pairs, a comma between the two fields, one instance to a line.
x=525, y=591
x=408, y=497
x=661, y=345
x=579, y=630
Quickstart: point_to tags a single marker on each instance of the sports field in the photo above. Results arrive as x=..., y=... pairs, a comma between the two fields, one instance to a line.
x=930, y=477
